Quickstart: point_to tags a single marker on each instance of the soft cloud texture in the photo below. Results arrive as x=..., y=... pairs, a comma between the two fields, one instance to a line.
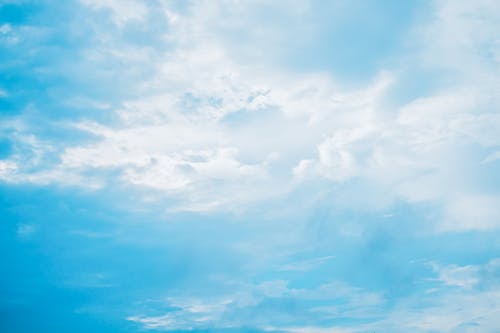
x=251, y=165
x=217, y=132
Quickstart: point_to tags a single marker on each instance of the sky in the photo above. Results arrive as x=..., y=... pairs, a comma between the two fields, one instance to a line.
x=249, y=166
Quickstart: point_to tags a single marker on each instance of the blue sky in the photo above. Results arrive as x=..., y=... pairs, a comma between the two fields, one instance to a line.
x=250, y=166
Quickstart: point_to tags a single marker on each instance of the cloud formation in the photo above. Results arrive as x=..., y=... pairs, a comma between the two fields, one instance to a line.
x=219, y=132
x=272, y=166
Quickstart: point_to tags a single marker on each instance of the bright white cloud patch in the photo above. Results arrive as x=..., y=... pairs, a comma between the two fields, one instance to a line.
x=222, y=133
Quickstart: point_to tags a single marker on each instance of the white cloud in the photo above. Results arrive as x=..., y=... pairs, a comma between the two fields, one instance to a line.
x=7, y=168
x=25, y=231
x=460, y=276
x=122, y=11
x=472, y=305
x=472, y=212
x=214, y=130
x=495, y=156
x=5, y=28
x=447, y=312
x=305, y=265
x=466, y=299
x=241, y=306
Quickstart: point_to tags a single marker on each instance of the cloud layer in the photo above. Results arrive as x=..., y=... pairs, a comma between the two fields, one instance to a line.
x=292, y=166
